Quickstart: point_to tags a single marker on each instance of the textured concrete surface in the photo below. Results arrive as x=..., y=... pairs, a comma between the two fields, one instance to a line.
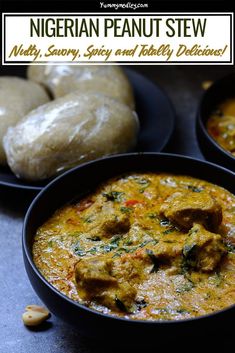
x=183, y=85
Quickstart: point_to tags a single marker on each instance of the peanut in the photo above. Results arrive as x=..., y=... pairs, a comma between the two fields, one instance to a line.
x=38, y=308
x=35, y=315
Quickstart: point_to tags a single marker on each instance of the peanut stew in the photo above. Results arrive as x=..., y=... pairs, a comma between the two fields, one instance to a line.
x=221, y=125
x=144, y=246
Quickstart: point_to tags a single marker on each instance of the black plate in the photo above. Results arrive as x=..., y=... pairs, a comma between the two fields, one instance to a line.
x=75, y=183
x=156, y=116
x=221, y=90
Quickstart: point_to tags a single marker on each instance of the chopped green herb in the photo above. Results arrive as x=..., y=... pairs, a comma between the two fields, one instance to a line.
x=125, y=209
x=193, y=231
x=169, y=181
x=116, y=239
x=182, y=311
x=50, y=243
x=194, y=188
x=116, y=255
x=184, y=267
x=88, y=219
x=127, y=249
x=216, y=279
x=144, y=243
x=172, y=311
x=78, y=251
x=189, y=249
x=165, y=222
x=185, y=287
x=113, y=196
x=109, y=247
x=152, y=215
x=141, y=304
x=143, y=182
x=94, y=238
x=154, y=260
x=93, y=250
x=120, y=305
x=130, y=249
x=230, y=247
x=189, y=253
x=163, y=310
x=153, y=241
x=168, y=231
x=128, y=242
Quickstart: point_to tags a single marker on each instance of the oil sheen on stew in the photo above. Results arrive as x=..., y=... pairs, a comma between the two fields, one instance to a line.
x=221, y=125
x=144, y=246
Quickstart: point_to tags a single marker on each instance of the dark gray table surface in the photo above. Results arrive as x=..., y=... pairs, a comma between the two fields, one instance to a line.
x=183, y=85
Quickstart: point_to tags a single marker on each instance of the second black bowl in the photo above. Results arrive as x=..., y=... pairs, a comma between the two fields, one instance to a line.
x=221, y=90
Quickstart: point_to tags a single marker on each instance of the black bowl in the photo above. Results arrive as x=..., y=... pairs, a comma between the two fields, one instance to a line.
x=221, y=90
x=83, y=179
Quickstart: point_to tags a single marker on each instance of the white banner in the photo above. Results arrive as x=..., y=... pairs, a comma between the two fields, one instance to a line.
x=118, y=38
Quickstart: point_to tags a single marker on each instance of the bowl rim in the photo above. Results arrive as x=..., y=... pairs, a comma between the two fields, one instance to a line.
x=199, y=115
x=27, y=251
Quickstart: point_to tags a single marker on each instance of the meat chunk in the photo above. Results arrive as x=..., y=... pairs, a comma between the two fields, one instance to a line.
x=168, y=252
x=95, y=281
x=150, y=258
x=110, y=224
x=187, y=208
x=115, y=224
x=94, y=273
x=129, y=268
x=203, y=250
x=108, y=220
x=120, y=298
